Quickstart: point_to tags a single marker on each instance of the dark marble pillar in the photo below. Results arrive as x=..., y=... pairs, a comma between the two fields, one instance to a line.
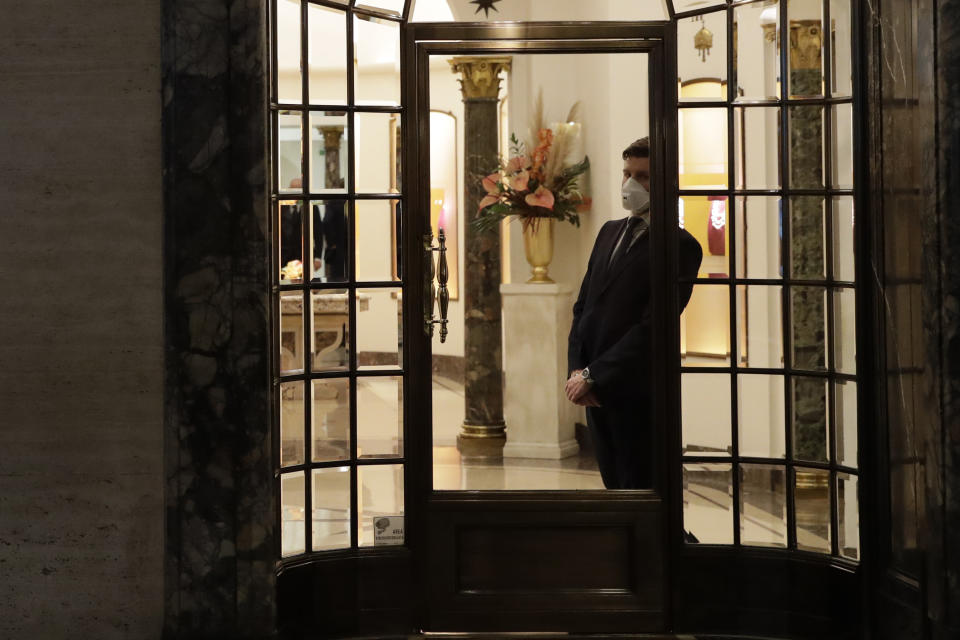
x=332, y=136
x=808, y=308
x=483, y=434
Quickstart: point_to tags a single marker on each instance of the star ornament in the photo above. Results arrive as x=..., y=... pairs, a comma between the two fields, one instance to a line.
x=486, y=5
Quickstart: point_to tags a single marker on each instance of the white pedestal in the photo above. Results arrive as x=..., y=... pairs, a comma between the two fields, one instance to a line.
x=536, y=322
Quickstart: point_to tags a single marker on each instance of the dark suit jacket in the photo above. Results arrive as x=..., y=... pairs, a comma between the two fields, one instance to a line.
x=612, y=315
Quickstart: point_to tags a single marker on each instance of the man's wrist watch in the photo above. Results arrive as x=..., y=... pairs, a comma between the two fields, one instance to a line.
x=585, y=374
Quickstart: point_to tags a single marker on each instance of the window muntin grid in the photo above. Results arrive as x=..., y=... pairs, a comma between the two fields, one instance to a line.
x=330, y=451
x=813, y=479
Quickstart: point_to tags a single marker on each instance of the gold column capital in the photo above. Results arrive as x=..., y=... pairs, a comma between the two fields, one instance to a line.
x=806, y=44
x=480, y=75
x=331, y=136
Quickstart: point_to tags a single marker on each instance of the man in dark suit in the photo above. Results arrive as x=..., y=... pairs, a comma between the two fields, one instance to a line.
x=610, y=340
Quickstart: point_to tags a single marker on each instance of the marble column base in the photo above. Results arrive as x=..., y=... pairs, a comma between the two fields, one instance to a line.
x=536, y=323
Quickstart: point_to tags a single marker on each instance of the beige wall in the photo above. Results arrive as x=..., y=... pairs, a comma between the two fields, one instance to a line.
x=81, y=514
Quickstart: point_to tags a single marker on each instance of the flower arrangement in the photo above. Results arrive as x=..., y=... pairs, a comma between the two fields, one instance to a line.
x=539, y=184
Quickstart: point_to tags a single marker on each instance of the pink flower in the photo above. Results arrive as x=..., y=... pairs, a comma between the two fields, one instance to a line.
x=518, y=181
x=517, y=163
x=488, y=201
x=490, y=184
x=542, y=197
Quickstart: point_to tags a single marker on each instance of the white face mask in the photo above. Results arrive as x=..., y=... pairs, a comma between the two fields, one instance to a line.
x=635, y=197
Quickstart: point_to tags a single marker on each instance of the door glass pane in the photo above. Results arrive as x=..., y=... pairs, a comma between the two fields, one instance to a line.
x=379, y=328
x=705, y=401
x=843, y=244
x=327, y=55
x=757, y=47
x=805, y=61
x=848, y=516
x=290, y=151
x=708, y=503
x=760, y=415
x=291, y=423
x=842, y=147
x=380, y=497
x=377, y=60
x=705, y=327
x=331, y=508
x=705, y=218
x=291, y=331
x=379, y=416
x=842, y=42
x=813, y=510
x=702, y=57
x=760, y=326
x=806, y=147
x=394, y=7
x=293, y=538
x=540, y=10
x=377, y=240
x=763, y=505
x=331, y=419
x=703, y=148
x=757, y=147
x=289, y=78
x=329, y=142
x=808, y=311
x=291, y=242
x=331, y=327
x=845, y=330
x=845, y=397
x=680, y=6
x=759, y=232
x=810, y=419
x=807, y=238
x=378, y=152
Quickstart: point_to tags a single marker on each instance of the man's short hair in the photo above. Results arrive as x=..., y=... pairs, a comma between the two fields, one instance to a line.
x=638, y=149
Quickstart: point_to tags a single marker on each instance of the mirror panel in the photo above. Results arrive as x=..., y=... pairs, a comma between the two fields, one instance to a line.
x=327, y=54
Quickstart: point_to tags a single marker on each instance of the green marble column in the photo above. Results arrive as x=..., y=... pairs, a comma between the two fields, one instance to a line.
x=807, y=251
x=483, y=433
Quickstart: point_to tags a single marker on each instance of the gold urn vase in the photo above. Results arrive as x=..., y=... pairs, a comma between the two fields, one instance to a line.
x=538, y=247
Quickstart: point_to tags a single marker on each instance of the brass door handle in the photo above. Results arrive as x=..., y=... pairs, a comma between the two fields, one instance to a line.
x=432, y=296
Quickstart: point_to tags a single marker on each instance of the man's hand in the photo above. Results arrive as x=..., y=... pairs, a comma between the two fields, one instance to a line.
x=576, y=387
x=589, y=399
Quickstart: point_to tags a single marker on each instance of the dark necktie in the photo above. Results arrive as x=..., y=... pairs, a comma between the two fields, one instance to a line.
x=626, y=238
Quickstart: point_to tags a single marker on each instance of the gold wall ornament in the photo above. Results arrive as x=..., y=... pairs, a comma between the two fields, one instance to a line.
x=703, y=41
x=806, y=44
x=480, y=76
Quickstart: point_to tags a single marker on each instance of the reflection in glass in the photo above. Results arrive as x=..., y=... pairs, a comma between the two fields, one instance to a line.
x=842, y=142
x=708, y=503
x=805, y=66
x=808, y=319
x=327, y=55
x=379, y=328
x=843, y=244
x=680, y=6
x=705, y=218
x=806, y=147
x=379, y=416
x=845, y=399
x=541, y=10
x=377, y=160
x=289, y=79
x=377, y=60
x=331, y=326
x=290, y=151
x=376, y=238
x=760, y=415
x=380, y=494
x=329, y=168
x=388, y=6
x=705, y=327
x=331, y=419
x=763, y=505
x=292, y=514
x=760, y=326
x=331, y=508
x=812, y=490
x=842, y=48
x=291, y=423
x=703, y=148
x=705, y=402
x=291, y=241
x=757, y=64
x=757, y=129
x=845, y=330
x=807, y=250
x=848, y=536
x=759, y=230
x=810, y=419
x=291, y=331
x=702, y=73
